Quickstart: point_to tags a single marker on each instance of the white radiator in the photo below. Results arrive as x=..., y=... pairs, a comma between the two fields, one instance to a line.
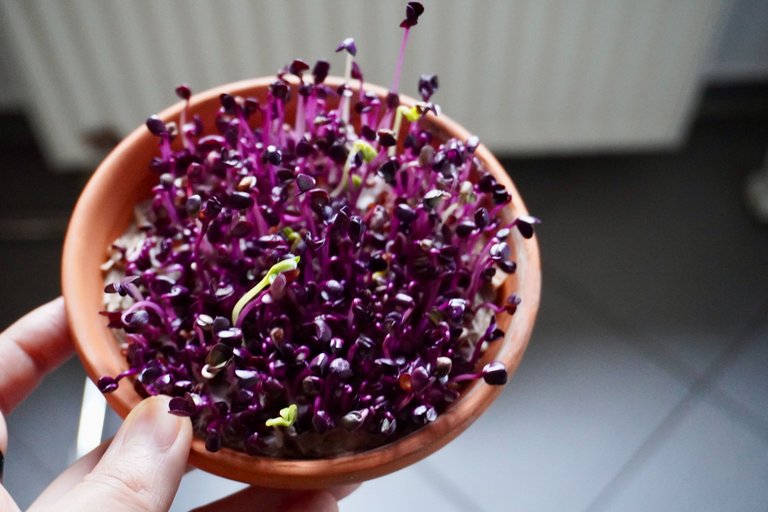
x=525, y=75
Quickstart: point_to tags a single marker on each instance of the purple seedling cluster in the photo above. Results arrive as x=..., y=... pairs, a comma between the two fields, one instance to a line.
x=312, y=289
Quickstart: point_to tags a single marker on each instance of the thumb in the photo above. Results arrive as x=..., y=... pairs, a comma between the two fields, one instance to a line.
x=141, y=470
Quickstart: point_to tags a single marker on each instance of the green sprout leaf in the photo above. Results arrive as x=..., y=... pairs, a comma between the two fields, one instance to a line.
x=287, y=417
x=285, y=265
x=368, y=153
x=365, y=149
x=411, y=114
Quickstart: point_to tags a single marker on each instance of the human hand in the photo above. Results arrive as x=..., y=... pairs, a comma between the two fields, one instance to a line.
x=141, y=468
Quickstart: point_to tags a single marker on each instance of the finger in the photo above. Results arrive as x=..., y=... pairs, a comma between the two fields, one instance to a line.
x=3, y=444
x=6, y=502
x=272, y=500
x=141, y=469
x=314, y=501
x=71, y=477
x=30, y=348
x=342, y=491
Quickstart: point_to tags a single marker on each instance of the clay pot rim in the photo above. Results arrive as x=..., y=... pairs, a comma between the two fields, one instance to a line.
x=293, y=473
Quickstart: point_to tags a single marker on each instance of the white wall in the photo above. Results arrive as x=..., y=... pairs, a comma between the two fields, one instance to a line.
x=741, y=54
x=11, y=89
x=527, y=76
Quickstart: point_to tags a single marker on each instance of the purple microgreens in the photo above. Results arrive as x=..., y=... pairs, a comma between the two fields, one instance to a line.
x=356, y=72
x=107, y=384
x=412, y=12
x=298, y=67
x=183, y=91
x=156, y=126
x=348, y=45
x=320, y=71
x=427, y=86
x=495, y=373
x=525, y=225
x=183, y=405
x=313, y=288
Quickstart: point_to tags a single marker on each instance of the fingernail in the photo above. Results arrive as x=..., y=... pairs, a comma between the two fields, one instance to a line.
x=151, y=423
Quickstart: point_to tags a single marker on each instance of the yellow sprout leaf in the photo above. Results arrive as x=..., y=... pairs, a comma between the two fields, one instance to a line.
x=411, y=114
x=285, y=265
x=365, y=149
x=287, y=417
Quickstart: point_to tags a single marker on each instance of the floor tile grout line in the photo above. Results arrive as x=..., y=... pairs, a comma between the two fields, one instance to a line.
x=671, y=363
x=660, y=356
x=697, y=393
x=721, y=399
x=737, y=411
x=446, y=485
x=644, y=451
x=652, y=349
x=15, y=441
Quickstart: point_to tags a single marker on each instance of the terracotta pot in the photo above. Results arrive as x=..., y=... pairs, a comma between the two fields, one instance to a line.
x=104, y=211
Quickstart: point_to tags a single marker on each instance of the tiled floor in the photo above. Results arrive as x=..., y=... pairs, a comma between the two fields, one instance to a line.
x=645, y=384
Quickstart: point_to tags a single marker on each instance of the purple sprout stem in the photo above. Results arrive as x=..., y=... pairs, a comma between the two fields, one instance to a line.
x=351, y=316
x=474, y=283
x=197, y=257
x=346, y=97
x=480, y=265
x=200, y=334
x=309, y=215
x=255, y=216
x=385, y=346
x=347, y=397
x=279, y=125
x=328, y=387
x=148, y=304
x=266, y=130
x=400, y=58
x=296, y=384
x=490, y=305
x=325, y=250
x=403, y=402
x=301, y=118
x=165, y=147
x=464, y=174
x=237, y=252
x=308, y=269
x=133, y=291
x=244, y=129
x=366, y=172
x=466, y=376
x=188, y=144
x=170, y=207
x=127, y=373
x=478, y=350
x=311, y=108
